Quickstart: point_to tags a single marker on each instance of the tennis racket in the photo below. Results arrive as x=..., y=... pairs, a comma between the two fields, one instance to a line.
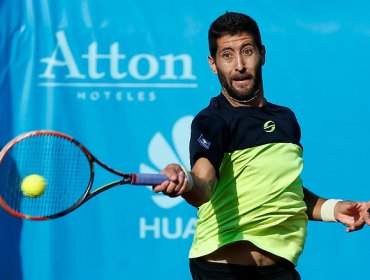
x=68, y=169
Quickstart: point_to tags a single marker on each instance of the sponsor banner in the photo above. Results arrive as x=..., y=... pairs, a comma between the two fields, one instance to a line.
x=126, y=78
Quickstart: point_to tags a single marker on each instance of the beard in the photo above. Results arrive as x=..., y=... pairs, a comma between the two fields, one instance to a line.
x=242, y=94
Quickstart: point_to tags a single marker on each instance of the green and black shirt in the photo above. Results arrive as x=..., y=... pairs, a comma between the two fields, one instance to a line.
x=257, y=155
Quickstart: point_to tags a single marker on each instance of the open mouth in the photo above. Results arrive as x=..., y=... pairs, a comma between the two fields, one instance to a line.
x=242, y=78
x=240, y=81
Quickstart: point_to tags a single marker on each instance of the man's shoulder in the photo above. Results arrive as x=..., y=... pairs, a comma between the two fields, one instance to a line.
x=279, y=108
x=216, y=107
x=214, y=115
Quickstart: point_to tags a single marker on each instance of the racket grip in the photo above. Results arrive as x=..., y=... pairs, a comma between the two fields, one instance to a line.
x=148, y=179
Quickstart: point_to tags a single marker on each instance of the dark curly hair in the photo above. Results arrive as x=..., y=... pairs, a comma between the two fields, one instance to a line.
x=232, y=23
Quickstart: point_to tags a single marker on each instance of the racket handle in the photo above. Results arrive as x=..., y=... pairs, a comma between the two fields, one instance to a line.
x=148, y=179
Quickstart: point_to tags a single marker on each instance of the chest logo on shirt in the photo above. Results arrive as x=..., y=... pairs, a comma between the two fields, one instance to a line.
x=269, y=126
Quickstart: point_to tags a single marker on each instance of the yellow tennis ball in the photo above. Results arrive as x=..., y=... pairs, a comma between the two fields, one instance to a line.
x=33, y=185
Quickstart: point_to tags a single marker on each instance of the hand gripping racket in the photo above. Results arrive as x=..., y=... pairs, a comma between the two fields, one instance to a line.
x=66, y=165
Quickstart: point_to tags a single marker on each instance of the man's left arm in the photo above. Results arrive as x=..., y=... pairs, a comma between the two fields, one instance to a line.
x=353, y=214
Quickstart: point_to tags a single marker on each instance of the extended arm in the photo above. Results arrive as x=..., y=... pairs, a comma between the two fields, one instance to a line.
x=195, y=191
x=353, y=214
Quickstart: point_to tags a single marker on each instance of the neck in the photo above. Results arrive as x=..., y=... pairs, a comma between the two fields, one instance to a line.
x=256, y=100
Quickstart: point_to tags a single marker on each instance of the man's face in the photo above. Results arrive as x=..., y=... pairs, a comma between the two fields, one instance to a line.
x=238, y=64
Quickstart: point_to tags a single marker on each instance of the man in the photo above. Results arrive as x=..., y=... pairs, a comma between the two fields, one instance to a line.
x=246, y=160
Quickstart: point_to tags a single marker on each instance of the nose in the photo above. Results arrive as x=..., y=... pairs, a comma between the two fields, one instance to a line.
x=240, y=63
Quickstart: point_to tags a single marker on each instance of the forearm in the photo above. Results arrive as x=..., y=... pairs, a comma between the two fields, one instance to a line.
x=314, y=204
x=203, y=183
x=200, y=192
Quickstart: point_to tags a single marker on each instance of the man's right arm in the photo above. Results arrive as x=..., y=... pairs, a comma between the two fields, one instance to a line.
x=204, y=182
x=196, y=190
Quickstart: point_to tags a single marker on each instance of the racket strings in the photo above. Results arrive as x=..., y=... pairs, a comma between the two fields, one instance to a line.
x=60, y=161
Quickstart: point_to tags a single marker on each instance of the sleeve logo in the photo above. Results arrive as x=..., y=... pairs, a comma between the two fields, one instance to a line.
x=204, y=142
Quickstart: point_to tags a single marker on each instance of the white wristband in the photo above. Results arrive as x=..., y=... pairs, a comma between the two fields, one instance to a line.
x=327, y=210
x=188, y=176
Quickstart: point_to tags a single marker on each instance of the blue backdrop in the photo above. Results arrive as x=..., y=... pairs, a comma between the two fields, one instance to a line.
x=126, y=78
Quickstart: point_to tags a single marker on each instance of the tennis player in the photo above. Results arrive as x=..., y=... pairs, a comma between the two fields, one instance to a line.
x=246, y=160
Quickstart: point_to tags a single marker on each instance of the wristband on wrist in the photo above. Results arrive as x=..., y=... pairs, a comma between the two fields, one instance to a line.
x=189, y=177
x=327, y=210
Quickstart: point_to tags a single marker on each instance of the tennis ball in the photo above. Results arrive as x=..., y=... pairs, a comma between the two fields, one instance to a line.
x=33, y=185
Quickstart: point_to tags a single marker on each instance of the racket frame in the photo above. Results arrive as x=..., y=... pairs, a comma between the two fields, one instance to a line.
x=88, y=194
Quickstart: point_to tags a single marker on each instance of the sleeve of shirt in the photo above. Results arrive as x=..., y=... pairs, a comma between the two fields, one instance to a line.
x=208, y=139
x=297, y=129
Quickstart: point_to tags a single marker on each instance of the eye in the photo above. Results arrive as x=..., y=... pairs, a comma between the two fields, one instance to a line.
x=248, y=51
x=226, y=55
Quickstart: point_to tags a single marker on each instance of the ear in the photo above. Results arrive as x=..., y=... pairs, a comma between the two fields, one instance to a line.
x=212, y=64
x=263, y=55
